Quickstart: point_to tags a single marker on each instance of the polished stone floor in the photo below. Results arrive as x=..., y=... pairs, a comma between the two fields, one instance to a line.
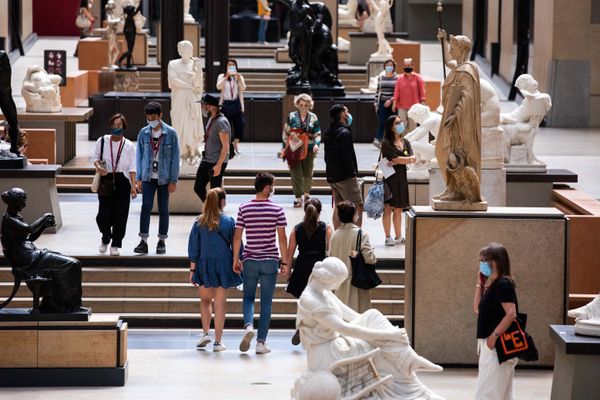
x=164, y=365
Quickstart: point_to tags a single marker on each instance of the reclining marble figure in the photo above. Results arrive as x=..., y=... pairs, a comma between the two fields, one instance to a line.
x=587, y=318
x=40, y=91
x=429, y=123
x=332, y=333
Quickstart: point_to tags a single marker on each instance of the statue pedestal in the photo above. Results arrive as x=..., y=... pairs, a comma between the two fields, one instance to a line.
x=57, y=353
x=518, y=161
x=444, y=205
x=363, y=44
x=443, y=247
x=374, y=68
x=93, y=52
x=407, y=49
x=191, y=32
x=126, y=80
x=492, y=148
x=106, y=80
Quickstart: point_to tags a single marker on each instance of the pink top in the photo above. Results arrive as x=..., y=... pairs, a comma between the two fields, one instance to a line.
x=409, y=90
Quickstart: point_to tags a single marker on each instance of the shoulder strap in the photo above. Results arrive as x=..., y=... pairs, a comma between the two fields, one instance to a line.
x=358, y=241
x=102, y=148
x=223, y=236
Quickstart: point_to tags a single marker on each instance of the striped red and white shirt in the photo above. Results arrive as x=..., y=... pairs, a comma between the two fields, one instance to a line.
x=260, y=218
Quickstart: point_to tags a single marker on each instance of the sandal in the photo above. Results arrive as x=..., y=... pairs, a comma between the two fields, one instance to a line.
x=297, y=203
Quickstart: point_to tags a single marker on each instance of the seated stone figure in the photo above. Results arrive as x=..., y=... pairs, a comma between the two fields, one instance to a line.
x=521, y=125
x=587, y=318
x=429, y=123
x=61, y=292
x=40, y=91
x=332, y=332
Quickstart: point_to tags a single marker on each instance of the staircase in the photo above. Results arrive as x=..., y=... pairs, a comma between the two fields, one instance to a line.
x=159, y=295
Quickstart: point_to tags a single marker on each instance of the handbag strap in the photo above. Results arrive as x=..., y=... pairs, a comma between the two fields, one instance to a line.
x=224, y=238
x=359, y=241
x=102, y=148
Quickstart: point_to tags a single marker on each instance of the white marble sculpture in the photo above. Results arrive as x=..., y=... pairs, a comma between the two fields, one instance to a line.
x=40, y=91
x=187, y=17
x=185, y=82
x=429, y=123
x=587, y=318
x=112, y=24
x=381, y=10
x=139, y=19
x=492, y=136
x=369, y=24
x=336, y=338
x=347, y=13
x=521, y=125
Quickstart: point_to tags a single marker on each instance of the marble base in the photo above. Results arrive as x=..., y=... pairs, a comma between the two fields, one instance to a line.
x=493, y=184
x=492, y=147
x=441, y=268
x=518, y=161
x=106, y=80
x=374, y=68
x=443, y=205
x=588, y=327
x=126, y=80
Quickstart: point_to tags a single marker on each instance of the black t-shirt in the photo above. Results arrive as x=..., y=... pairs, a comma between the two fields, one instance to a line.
x=491, y=312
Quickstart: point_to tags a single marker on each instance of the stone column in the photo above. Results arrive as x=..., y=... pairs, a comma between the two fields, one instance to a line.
x=217, y=41
x=171, y=15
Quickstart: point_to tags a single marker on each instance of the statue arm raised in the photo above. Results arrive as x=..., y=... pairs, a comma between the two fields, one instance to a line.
x=39, y=226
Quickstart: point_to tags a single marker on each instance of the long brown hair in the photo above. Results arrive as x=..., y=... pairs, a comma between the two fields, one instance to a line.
x=312, y=210
x=212, y=211
x=497, y=253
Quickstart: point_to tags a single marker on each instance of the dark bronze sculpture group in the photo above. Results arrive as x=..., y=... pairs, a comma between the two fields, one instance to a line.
x=7, y=104
x=53, y=276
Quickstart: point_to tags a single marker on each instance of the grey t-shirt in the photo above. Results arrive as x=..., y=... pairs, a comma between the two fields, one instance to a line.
x=212, y=148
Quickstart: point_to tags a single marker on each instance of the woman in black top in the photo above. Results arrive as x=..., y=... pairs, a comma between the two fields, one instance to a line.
x=398, y=151
x=495, y=304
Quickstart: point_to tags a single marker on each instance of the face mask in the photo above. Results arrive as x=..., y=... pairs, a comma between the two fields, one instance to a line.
x=206, y=113
x=116, y=131
x=389, y=69
x=408, y=70
x=153, y=124
x=484, y=268
x=231, y=69
x=349, y=119
x=399, y=128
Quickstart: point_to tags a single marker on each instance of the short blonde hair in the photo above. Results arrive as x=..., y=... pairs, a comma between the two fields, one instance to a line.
x=304, y=97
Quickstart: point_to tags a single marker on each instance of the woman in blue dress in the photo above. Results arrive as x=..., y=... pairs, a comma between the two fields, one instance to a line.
x=209, y=250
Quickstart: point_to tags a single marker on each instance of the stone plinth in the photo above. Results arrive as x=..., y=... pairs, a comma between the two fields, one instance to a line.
x=191, y=32
x=126, y=80
x=106, y=80
x=407, y=49
x=93, y=52
x=442, y=263
x=443, y=205
x=75, y=93
x=518, y=160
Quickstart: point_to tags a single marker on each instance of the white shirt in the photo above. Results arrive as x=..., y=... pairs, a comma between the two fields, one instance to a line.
x=127, y=160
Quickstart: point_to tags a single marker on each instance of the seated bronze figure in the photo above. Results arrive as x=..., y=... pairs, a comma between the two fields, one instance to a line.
x=55, y=276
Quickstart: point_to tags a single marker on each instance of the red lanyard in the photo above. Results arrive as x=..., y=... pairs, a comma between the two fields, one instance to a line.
x=112, y=159
x=156, y=146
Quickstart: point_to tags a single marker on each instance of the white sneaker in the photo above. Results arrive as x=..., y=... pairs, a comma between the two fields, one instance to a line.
x=218, y=347
x=114, y=251
x=205, y=339
x=248, y=335
x=102, y=248
x=262, y=348
x=390, y=242
x=400, y=240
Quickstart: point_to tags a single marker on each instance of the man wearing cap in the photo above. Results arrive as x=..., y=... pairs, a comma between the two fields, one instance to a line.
x=217, y=138
x=409, y=90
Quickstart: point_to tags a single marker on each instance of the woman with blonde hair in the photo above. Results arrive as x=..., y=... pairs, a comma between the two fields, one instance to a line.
x=301, y=138
x=209, y=250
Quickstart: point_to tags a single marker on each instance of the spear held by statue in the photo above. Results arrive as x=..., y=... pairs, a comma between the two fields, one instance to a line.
x=439, y=11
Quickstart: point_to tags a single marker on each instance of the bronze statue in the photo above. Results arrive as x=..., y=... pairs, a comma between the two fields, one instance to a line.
x=129, y=30
x=61, y=275
x=7, y=104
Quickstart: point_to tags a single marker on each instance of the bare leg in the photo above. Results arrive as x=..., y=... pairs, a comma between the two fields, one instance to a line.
x=397, y=222
x=387, y=219
x=335, y=219
x=206, y=297
x=220, y=301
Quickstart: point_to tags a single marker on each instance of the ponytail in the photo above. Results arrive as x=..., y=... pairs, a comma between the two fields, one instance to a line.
x=312, y=210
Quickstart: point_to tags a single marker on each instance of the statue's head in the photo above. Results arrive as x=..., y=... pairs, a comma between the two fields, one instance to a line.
x=419, y=112
x=330, y=272
x=526, y=84
x=460, y=46
x=185, y=49
x=15, y=198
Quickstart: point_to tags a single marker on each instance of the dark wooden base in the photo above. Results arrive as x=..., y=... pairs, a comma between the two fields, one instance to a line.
x=24, y=314
x=13, y=163
x=39, y=377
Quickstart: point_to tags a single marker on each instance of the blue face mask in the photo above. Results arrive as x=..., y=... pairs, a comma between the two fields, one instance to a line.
x=400, y=128
x=349, y=119
x=153, y=124
x=389, y=69
x=231, y=70
x=484, y=268
x=116, y=131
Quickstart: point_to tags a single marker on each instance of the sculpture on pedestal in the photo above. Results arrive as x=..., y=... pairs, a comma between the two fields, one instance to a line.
x=185, y=82
x=40, y=91
x=429, y=123
x=347, y=13
x=311, y=48
x=343, y=345
x=7, y=104
x=59, y=275
x=521, y=125
x=491, y=133
x=587, y=318
x=458, y=145
x=129, y=30
x=187, y=17
x=112, y=23
x=381, y=10
x=370, y=24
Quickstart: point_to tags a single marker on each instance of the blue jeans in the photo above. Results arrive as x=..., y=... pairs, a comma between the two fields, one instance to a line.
x=262, y=30
x=383, y=113
x=162, y=191
x=265, y=272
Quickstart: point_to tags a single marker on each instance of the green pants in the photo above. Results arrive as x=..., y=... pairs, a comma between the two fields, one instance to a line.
x=302, y=174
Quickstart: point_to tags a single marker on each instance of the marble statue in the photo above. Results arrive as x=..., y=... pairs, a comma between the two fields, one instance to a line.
x=112, y=23
x=381, y=10
x=130, y=31
x=492, y=136
x=459, y=135
x=334, y=336
x=347, y=13
x=187, y=17
x=429, y=124
x=7, y=103
x=139, y=19
x=40, y=90
x=521, y=125
x=61, y=291
x=185, y=82
x=587, y=318
x=370, y=23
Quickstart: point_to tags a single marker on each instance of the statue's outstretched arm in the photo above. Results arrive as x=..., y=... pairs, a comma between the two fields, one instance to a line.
x=336, y=323
x=39, y=226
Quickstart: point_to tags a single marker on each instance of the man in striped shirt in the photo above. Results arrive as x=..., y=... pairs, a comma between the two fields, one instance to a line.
x=262, y=219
